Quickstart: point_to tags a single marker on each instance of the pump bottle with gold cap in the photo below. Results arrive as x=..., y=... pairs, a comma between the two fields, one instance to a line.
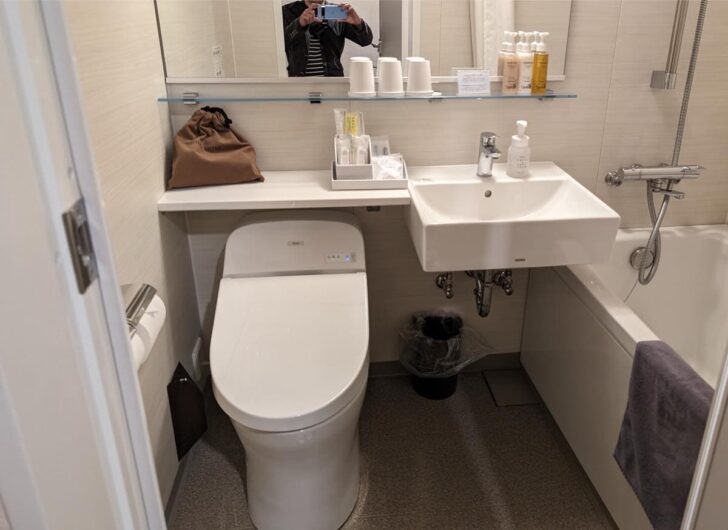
x=540, y=66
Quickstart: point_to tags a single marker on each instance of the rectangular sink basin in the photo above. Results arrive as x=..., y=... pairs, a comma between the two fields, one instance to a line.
x=459, y=221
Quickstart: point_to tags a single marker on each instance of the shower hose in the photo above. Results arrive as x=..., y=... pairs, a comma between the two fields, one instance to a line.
x=648, y=268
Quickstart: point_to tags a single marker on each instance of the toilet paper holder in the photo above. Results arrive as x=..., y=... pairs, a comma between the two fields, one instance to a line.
x=137, y=298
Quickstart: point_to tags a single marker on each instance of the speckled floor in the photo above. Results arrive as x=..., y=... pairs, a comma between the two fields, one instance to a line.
x=457, y=463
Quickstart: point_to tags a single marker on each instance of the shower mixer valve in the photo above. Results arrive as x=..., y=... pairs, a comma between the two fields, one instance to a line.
x=659, y=179
x=670, y=174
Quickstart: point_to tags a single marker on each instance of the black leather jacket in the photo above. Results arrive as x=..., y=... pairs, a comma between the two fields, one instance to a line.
x=332, y=35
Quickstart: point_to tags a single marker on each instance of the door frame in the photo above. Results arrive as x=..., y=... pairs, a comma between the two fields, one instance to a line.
x=706, y=498
x=41, y=58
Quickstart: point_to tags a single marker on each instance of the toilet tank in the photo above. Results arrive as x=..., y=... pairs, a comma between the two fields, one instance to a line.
x=295, y=242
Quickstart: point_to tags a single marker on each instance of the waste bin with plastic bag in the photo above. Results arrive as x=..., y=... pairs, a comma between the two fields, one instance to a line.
x=435, y=348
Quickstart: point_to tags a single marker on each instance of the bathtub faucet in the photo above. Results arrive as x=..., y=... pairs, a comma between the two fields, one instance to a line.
x=664, y=173
x=659, y=179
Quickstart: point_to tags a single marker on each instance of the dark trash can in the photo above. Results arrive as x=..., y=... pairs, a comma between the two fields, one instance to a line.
x=432, y=353
x=435, y=387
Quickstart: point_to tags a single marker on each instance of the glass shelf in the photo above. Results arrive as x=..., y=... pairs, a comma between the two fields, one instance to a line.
x=194, y=98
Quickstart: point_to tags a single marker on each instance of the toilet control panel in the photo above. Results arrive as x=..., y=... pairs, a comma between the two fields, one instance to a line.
x=341, y=257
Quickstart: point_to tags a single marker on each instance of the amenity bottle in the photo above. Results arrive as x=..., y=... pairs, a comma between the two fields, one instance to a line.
x=519, y=153
x=540, y=66
x=510, y=65
x=525, y=65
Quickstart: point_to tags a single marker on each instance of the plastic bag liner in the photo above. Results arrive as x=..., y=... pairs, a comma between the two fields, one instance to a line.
x=436, y=344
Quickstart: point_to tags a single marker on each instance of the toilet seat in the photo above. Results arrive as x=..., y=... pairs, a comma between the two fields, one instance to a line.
x=289, y=352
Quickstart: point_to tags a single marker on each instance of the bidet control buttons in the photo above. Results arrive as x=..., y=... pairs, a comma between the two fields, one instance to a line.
x=341, y=257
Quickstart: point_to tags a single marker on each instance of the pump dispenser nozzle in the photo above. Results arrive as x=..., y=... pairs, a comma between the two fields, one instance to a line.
x=521, y=127
x=510, y=42
x=541, y=45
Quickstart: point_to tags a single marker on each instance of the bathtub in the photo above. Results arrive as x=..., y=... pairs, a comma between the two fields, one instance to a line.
x=581, y=327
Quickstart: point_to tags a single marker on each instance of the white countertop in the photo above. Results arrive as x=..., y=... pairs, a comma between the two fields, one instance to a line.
x=281, y=189
x=312, y=189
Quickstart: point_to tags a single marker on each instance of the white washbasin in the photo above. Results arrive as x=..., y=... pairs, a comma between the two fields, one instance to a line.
x=459, y=221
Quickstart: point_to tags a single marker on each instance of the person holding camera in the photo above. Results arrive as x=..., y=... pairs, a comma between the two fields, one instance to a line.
x=314, y=45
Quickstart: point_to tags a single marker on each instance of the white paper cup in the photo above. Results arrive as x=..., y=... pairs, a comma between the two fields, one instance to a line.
x=390, y=77
x=361, y=77
x=384, y=60
x=407, y=62
x=419, y=77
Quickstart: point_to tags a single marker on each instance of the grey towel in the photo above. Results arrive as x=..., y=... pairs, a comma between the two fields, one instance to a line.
x=662, y=431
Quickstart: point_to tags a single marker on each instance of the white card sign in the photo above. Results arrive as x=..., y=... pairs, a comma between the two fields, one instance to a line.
x=473, y=83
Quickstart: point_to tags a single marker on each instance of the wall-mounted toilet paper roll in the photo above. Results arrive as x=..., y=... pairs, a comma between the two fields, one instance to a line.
x=147, y=331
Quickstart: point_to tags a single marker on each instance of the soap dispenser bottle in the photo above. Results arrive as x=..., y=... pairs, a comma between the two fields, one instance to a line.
x=525, y=65
x=519, y=153
x=540, y=66
x=510, y=64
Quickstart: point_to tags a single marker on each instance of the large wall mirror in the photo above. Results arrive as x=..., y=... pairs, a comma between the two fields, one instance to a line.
x=254, y=39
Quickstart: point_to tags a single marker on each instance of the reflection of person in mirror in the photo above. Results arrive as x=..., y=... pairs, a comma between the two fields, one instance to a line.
x=314, y=46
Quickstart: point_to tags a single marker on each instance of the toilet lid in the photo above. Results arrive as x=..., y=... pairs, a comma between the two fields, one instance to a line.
x=288, y=352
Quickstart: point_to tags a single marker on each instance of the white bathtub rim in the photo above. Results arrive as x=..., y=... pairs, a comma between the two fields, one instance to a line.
x=616, y=316
x=614, y=313
x=720, y=230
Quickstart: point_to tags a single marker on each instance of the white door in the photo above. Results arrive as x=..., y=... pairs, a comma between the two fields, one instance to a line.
x=391, y=28
x=74, y=451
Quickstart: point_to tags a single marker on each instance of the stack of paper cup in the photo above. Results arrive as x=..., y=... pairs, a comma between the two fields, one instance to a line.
x=389, y=70
x=361, y=77
x=407, y=62
x=419, y=77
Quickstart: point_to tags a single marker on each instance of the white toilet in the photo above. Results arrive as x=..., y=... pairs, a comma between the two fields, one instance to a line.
x=289, y=361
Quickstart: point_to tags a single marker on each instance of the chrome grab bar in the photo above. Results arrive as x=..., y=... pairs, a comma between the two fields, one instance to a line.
x=667, y=78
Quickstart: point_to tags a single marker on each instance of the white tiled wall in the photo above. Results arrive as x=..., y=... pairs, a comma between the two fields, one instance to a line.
x=640, y=122
x=120, y=68
x=616, y=120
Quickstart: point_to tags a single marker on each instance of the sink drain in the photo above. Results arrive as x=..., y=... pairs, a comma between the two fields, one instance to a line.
x=487, y=194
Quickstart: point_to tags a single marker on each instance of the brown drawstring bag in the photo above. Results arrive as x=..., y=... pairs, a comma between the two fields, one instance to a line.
x=207, y=152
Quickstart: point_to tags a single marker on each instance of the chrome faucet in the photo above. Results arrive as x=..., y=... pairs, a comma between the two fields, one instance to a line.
x=488, y=153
